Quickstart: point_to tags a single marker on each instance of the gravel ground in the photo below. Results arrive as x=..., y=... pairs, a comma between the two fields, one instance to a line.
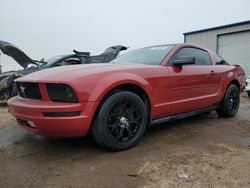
x=202, y=151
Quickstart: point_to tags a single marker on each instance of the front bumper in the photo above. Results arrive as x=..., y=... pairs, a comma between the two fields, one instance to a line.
x=26, y=110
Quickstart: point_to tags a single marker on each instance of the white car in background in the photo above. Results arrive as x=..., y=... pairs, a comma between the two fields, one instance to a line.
x=248, y=86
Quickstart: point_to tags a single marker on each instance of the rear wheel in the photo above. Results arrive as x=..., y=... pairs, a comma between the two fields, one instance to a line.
x=120, y=121
x=231, y=102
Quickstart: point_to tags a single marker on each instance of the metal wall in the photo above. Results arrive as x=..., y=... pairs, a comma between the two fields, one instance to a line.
x=208, y=39
x=235, y=48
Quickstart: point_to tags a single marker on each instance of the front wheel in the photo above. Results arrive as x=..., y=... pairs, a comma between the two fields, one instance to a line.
x=120, y=121
x=248, y=92
x=231, y=102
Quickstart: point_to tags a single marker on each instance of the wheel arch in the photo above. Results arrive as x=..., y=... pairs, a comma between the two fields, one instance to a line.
x=126, y=86
x=235, y=82
x=134, y=88
x=226, y=86
x=127, y=81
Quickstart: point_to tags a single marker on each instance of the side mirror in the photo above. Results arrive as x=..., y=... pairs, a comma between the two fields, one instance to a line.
x=184, y=61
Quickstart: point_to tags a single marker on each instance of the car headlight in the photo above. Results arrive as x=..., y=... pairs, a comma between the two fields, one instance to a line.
x=61, y=93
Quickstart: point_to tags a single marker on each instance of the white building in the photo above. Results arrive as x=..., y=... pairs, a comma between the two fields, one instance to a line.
x=232, y=42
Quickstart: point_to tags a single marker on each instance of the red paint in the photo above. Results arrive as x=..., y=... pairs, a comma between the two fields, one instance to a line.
x=171, y=90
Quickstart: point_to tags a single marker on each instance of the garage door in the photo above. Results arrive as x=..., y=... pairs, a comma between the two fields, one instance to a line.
x=235, y=48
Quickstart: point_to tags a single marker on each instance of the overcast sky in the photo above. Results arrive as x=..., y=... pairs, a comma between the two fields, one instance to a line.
x=47, y=28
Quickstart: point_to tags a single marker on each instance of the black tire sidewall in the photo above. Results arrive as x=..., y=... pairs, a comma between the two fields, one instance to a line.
x=224, y=110
x=105, y=138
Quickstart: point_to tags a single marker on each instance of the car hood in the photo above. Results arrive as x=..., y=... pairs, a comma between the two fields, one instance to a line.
x=18, y=55
x=73, y=72
x=6, y=74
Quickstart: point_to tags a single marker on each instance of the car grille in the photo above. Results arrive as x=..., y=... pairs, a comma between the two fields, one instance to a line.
x=29, y=90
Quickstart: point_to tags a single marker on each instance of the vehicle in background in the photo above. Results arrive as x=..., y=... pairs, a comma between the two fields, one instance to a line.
x=118, y=100
x=248, y=87
x=7, y=86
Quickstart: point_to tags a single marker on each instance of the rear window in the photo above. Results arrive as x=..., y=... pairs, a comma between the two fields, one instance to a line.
x=219, y=60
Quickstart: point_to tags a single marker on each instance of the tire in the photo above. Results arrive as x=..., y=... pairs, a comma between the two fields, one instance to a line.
x=120, y=121
x=231, y=102
x=248, y=92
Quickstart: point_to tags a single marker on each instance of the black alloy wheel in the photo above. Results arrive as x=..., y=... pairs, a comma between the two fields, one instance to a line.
x=120, y=122
x=124, y=120
x=231, y=102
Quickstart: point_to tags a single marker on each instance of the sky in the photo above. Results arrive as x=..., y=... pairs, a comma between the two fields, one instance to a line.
x=46, y=28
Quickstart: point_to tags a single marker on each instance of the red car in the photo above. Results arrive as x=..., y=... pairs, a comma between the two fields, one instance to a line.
x=117, y=101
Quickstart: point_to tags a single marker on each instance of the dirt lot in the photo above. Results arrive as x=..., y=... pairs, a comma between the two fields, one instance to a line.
x=202, y=151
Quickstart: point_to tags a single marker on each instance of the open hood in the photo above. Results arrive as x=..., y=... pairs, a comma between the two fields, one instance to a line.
x=115, y=49
x=18, y=55
x=108, y=55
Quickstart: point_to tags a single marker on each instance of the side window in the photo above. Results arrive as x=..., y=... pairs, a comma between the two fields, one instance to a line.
x=219, y=60
x=201, y=56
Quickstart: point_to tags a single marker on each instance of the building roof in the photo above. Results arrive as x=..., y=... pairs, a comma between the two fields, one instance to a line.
x=218, y=27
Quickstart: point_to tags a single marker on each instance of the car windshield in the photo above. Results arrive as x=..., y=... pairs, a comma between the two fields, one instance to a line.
x=52, y=60
x=150, y=55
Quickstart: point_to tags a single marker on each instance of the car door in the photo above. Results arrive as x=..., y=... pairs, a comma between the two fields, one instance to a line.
x=192, y=86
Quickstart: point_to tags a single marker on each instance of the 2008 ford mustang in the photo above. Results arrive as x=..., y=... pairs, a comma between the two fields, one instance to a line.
x=117, y=101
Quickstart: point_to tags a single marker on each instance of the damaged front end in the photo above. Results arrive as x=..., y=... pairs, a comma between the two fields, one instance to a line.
x=8, y=87
x=7, y=84
x=4, y=89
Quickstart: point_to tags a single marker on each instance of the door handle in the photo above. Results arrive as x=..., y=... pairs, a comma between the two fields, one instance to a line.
x=212, y=72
